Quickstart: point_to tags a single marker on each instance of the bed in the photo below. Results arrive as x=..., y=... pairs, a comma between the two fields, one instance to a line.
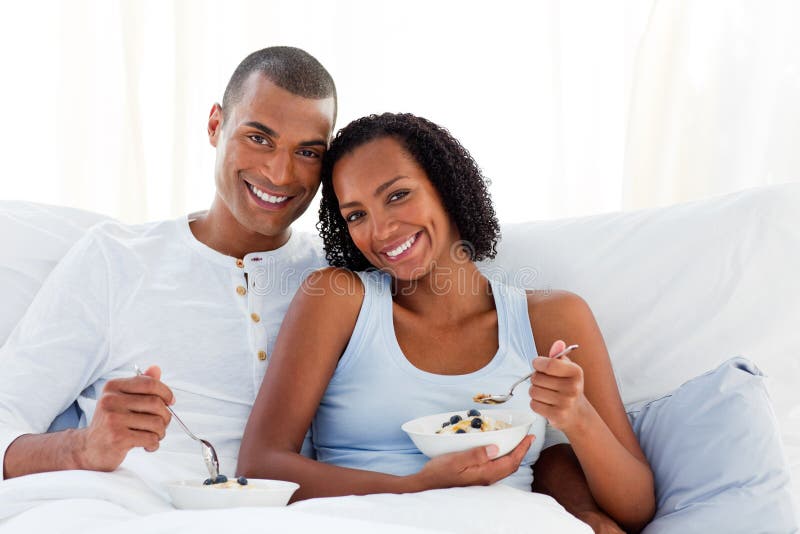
x=698, y=303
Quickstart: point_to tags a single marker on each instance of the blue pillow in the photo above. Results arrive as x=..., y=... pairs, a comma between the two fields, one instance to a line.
x=69, y=418
x=716, y=455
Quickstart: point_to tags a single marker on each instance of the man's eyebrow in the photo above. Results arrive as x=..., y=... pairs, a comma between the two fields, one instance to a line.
x=380, y=189
x=272, y=133
x=264, y=128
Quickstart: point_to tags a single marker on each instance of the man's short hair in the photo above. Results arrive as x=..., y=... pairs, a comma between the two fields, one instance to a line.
x=290, y=68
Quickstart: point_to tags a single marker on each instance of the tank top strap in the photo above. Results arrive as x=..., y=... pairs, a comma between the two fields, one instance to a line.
x=371, y=316
x=514, y=300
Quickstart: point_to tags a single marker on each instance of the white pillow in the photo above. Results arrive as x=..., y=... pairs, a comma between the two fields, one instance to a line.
x=33, y=238
x=715, y=278
x=679, y=290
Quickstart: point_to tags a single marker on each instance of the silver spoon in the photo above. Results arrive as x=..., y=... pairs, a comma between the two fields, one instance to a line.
x=487, y=398
x=209, y=454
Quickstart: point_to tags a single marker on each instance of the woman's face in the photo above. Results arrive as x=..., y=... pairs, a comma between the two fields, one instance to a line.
x=393, y=212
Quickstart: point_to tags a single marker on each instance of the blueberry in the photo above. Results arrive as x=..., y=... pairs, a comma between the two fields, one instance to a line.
x=461, y=431
x=446, y=423
x=473, y=413
x=220, y=479
x=476, y=423
x=455, y=419
x=208, y=482
x=242, y=481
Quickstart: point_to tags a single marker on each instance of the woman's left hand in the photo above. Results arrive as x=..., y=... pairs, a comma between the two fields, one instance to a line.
x=557, y=389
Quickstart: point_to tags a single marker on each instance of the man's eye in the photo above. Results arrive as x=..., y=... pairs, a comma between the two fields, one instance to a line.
x=354, y=216
x=308, y=153
x=258, y=139
x=397, y=196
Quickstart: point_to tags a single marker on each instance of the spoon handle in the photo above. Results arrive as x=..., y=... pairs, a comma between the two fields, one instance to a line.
x=556, y=357
x=178, y=419
x=518, y=382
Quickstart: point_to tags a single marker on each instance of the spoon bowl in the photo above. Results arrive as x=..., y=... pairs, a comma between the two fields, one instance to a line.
x=209, y=453
x=488, y=398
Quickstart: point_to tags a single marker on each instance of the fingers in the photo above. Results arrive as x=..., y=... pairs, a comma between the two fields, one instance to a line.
x=570, y=386
x=152, y=424
x=149, y=441
x=478, y=466
x=154, y=372
x=514, y=458
x=127, y=411
x=142, y=385
x=563, y=367
x=499, y=468
x=146, y=404
x=504, y=466
x=557, y=347
x=476, y=457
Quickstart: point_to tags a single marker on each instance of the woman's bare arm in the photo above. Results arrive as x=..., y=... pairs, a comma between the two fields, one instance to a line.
x=579, y=395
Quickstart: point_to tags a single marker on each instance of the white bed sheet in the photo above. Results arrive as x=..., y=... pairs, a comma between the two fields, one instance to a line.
x=122, y=502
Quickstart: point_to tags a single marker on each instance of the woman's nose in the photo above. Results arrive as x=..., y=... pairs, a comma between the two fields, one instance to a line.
x=382, y=227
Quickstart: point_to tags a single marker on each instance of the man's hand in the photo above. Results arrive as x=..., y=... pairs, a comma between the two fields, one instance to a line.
x=131, y=413
x=475, y=467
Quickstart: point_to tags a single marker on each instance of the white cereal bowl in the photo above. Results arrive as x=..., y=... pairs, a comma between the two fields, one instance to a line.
x=422, y=432
x=192, y=494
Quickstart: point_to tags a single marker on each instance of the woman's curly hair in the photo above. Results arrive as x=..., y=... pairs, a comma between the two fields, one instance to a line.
x=449, y=167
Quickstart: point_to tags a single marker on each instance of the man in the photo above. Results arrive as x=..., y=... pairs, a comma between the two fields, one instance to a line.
x=202, y=296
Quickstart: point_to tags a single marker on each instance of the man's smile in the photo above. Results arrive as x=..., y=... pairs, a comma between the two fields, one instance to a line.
x=267, y=200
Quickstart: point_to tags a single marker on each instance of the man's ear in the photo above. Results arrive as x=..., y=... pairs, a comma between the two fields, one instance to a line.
x=215, y=124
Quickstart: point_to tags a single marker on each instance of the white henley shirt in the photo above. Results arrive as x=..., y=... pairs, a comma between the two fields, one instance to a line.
x=153, y=294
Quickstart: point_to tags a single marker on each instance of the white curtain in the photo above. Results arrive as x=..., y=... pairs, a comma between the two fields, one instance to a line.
x=715, y=105
x=571, y=107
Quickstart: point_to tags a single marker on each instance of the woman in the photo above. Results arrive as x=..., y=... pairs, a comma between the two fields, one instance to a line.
x=404, y=325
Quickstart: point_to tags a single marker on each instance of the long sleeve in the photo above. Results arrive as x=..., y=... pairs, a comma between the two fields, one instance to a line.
x=58, y=347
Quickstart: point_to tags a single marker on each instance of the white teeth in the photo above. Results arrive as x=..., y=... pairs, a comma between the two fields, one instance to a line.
x=263, y=196
x=403, y=247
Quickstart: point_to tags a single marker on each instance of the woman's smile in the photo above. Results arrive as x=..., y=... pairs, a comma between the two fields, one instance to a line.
x=400, y=249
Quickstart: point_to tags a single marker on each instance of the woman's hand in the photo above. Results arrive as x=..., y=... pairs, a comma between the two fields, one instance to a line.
x=557, y=389
x=475, y=467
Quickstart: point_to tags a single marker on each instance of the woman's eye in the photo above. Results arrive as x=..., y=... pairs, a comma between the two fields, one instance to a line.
x=354, y=216
x=397, y=196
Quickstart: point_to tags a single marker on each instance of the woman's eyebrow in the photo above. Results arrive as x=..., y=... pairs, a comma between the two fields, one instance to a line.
x=380, y=189
x=385, y=185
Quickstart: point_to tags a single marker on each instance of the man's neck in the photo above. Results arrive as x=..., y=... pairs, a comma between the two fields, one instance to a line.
x=218, y=229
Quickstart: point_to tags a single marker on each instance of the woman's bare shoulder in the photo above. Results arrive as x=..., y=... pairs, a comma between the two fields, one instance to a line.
x=331, y=288
x=555, y=302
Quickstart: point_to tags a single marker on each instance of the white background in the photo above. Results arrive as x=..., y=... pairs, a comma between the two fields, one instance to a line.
x=570, y=107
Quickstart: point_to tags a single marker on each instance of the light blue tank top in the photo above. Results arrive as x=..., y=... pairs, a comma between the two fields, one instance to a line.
x=375, y=389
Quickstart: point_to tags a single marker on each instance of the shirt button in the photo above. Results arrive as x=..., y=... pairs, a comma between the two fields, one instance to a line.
x=262, y=355
x=239, y=263
x=241, y=290
x=255, y=317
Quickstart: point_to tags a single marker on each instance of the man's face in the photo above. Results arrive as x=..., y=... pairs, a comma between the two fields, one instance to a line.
x=269, y=153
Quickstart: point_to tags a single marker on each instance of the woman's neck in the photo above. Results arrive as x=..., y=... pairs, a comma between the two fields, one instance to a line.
x=447, y=294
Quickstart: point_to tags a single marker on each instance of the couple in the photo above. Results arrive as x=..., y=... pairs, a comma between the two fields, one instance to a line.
x=364, y=345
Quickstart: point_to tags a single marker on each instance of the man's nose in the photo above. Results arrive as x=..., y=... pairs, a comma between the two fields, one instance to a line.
x=280, y=168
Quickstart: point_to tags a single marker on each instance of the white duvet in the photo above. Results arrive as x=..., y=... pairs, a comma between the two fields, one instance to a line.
x=124, y=502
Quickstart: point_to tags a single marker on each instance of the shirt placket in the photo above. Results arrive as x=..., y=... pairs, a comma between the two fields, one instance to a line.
x=254, y=270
